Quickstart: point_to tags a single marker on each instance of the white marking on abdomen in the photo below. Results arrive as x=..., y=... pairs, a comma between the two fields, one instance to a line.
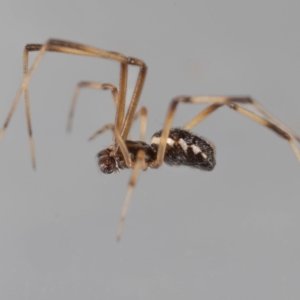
x=156, y=140
x=183, y=144
x=195, y=148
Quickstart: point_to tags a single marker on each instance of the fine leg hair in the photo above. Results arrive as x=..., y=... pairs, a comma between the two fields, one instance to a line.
x=139, y=165
x=94, y=85
x=122, y=122
x=233, y=102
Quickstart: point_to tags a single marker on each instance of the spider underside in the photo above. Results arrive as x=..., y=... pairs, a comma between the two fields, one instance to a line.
x=174, y=146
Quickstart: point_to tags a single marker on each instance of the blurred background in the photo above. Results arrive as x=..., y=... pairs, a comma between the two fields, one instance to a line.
x=228, y=234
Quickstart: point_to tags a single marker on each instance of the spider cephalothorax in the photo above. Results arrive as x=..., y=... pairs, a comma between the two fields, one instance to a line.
x=175, y=147
x=112, y=160
x=107, y=162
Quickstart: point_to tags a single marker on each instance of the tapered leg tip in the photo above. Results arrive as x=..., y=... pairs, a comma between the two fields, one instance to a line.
x=69, y=127
x=119, y=234
x=1, y=133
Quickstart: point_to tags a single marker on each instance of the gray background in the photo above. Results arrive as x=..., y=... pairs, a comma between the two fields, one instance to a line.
x=229, y=234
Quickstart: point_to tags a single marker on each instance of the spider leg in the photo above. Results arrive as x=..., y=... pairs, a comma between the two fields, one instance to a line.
x=272, y=123
x=216, y=102
x=246, y=100
x=94, y=85
x=201, y=116
x=138, y=165
x=142, y=112
x=135, y=96
x=284, y=134
x=79, y=49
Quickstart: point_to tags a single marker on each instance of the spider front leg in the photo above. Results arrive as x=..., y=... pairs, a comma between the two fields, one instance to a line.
x=94, y=85
x=139, y=164
x=142, y=112
x=122, y=122
x=216, y=102
x=69, y=48
x=134, y=157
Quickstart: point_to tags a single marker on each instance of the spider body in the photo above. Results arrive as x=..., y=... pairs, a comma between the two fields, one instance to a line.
x=174, y=146
x=183, y=149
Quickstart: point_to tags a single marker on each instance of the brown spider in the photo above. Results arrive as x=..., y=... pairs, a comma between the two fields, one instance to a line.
x=174, y=146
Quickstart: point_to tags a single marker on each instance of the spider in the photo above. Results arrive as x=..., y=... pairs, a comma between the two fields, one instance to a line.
x=174, y=146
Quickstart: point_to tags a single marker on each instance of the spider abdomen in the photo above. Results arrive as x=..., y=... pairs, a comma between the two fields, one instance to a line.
x=187, y=149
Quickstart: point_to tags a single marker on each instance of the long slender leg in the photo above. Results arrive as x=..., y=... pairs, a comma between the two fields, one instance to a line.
x=27, y=109
x=216, y=103
x=201, y=116
x=284, y=134
x=122, y=96
x=94, y=85
x=135, y=97
x=142, y=112
x=79, y=49
x=245, y=100
x=56, y=46
x=139, y=165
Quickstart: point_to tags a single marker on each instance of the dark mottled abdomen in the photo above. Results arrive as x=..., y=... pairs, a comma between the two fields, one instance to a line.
x=187, y=149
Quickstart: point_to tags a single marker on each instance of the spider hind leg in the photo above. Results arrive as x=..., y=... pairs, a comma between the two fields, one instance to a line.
x=187, y=149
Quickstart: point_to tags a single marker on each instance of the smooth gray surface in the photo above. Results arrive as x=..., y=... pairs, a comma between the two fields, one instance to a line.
x=229, y=234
